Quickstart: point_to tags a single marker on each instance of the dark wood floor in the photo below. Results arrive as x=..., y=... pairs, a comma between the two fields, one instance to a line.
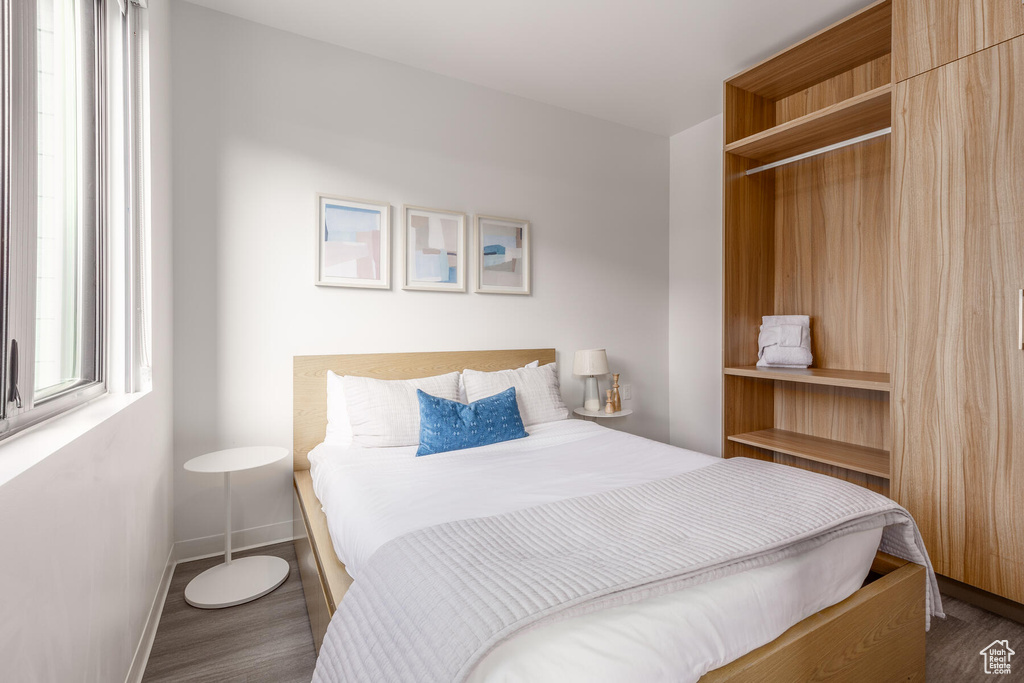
x=955, y=644
x=268, y=640
x=263, y=640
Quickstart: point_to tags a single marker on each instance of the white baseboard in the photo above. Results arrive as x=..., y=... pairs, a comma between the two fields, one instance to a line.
x=241, y=539
x=145, y=646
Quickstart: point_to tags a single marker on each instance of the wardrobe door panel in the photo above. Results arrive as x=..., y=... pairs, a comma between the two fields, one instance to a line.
x=992, y=102
x=930, y=33
x=926, y=269
x=958, y=265
x=923, y=36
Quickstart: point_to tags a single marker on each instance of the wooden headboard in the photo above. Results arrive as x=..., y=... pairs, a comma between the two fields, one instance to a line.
x=309, y=395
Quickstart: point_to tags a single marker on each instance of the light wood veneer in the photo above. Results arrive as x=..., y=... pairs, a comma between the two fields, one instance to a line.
x=933, y=33
x=854, y=379
x=858, y=115
x=859, y=38
x=812, y=237
x=871, y=461
x=856, y=81
x=958, y=263
x=324, y=578
x=877, y=635
x=857, y=417
x=832, y=231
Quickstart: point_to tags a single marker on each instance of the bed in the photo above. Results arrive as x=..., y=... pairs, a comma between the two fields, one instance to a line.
x=876, y=633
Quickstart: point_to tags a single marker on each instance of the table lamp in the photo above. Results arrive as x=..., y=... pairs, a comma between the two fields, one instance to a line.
x=589, y=364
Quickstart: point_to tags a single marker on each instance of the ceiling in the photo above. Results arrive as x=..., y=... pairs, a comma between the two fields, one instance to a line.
x=655, y=65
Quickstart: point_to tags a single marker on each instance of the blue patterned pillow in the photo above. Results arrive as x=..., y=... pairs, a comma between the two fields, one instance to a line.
x=450, y=426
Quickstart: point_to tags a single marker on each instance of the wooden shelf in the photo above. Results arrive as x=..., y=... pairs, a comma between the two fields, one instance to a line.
x=857, y=39
x=859, y=115
x=871, y=461
x=853, y=379
x=812, y=238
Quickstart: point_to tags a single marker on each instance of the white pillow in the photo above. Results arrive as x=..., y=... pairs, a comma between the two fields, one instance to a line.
x=385, y=413
x=537, y=391
x=462, y=382
x=339, y=429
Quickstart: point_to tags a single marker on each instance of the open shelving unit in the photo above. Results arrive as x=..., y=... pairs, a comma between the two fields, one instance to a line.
x=810, y=236
x=873, y=461
x=852, y=379
x=859, y=115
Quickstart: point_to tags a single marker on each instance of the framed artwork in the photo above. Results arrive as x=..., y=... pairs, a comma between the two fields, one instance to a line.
x=353, y=243
x=502, y=255
x=435, y=250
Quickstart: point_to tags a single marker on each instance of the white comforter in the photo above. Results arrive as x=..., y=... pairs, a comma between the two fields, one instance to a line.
x=373, y=495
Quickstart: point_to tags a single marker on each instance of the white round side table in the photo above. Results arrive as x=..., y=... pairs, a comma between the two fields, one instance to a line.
x=235, y=581
x=599, y=414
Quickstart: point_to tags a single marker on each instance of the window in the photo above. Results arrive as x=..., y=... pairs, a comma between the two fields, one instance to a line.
x=70, y=240
x=67, y=340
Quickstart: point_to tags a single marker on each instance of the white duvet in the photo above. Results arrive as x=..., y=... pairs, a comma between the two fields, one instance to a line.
x=371, y=496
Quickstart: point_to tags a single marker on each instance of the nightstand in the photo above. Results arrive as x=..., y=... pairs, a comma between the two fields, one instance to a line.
x=597, y=414
x=247, y=578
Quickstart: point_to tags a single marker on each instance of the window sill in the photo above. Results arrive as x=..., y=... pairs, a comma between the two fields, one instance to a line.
x=33, y=445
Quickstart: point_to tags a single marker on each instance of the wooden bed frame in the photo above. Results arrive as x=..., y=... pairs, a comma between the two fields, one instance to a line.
x=877, y=634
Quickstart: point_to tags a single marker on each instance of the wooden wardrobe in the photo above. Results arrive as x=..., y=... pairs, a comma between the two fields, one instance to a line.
x=907, y=251
x=957, y=273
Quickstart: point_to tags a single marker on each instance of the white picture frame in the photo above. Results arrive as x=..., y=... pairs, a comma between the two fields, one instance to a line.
x=353, y=242
x=429, y=237
x=507, y=272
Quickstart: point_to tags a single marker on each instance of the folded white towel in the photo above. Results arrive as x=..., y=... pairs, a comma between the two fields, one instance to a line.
x=791, y=335
x=785, y=341
x=781, y=355
x=776, y=320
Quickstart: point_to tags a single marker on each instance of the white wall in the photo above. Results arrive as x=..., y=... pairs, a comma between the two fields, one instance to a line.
x=264, y=119
x=695, y=288
x=87, y=531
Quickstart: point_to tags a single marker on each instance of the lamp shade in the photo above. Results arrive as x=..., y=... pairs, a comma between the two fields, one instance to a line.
x=590, y=362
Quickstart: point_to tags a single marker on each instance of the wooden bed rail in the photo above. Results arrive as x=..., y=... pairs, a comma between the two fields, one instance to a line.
x=877, y=634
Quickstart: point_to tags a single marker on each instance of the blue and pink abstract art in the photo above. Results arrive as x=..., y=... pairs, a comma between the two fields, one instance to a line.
x=503, y=266
x=434, y=250
x=352, y=246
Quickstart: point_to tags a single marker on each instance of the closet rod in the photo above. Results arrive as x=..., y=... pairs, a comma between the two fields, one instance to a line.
x=820, y=150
